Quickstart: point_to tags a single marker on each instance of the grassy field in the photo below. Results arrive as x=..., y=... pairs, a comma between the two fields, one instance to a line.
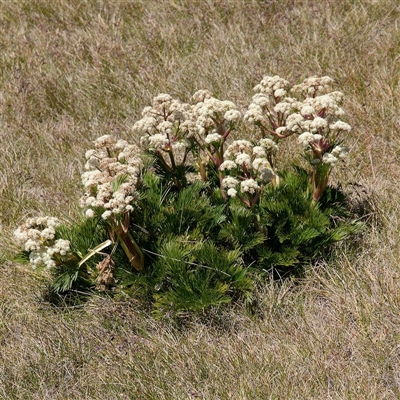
x=75, y=70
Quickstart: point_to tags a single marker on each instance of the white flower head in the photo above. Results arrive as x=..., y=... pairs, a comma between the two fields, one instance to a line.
x=318, y=123
x=231, y=192
x=229, y=182
x=162, y=101
x=307, y=110
x=270, y=84
x=254, y=114
x=158, y=141
x=269, y=145
x=89, y=213
x=340, y=126
x=119, y=162
x=340, y=151
x=106, y=214
x=237, y=147
x=121, y=144
x=201, y=95
x=294, y=122
x=329, y=158
x=249, y=186
x=37, y=236
x=260, y=100
x=233, y=115
x=213, y=138
x=179, y=146
x=227, y=165
x=165, y=127
x=90, y=153
x=105, y=141
x=284, y=107
x=314, y=85
x=259, y=151
x=243, y=159
x=280, y=92
x=307, y=139
x=261, y=163
x=146, y=125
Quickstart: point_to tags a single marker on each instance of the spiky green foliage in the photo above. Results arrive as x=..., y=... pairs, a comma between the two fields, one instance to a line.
x=197, y=277
x=83, y=236
x=298, y=230
x=287, y=230
x=187, y=268
x=202, y=250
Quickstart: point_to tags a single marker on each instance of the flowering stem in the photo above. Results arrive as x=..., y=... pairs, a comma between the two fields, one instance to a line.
x=177, y=181
x=171, y=157
x=202, y=170
x=270, y=159
x=119, y=231
x=221, y=178
x=319, y=181
x=131, y=249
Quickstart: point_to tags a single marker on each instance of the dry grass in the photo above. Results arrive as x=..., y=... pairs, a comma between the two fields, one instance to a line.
x=74, y=70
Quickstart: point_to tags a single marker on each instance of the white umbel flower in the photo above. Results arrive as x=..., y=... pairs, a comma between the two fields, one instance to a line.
x=231, y=192
x=238, y=147
x=259, y=151
x=329, y=158
x=37, y=237
x=318, y=123
x=254, y=114
x=120, y=163
x=340, y=126
x=227, y=165
x=280, y=92
x=307, y=110
x=305, y=139
x=233, y=115
x=212, y=138
x=243, y=159
x=269, y=145
x=260, y=163
x=249, y=186
x=340, y=151
x=229, y=182
x=260, y=99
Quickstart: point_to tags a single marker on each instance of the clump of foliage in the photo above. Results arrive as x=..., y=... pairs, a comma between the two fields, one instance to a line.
x=187, y=218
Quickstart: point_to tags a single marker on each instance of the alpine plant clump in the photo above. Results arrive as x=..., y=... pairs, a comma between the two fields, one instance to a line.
x=186, y=211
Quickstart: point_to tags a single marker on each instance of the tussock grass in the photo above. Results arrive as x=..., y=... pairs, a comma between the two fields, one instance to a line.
x=72, y=71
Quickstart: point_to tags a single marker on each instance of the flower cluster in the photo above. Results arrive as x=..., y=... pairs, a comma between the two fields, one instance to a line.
x=312, y=109
x=37, y=237
x=169, y=124
x=180, y=134
x=111, y=177
x=313, y=113
x=248, y=167
x=166, y=129
x=313, y=86
x=213, y=114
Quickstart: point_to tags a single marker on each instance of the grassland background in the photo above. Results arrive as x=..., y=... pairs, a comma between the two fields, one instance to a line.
x=71, y=71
